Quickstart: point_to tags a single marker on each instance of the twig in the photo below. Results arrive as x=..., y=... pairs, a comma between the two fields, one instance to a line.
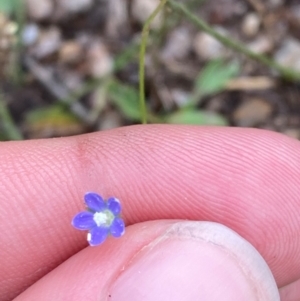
x=250, y=83
x=286, y=73
x=11, y=130
x=61, y=93
x=145, y=34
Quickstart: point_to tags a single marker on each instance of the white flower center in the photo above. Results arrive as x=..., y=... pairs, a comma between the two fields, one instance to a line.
x=100, y=218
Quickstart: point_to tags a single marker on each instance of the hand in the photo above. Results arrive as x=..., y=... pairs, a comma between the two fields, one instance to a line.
x=245, y=179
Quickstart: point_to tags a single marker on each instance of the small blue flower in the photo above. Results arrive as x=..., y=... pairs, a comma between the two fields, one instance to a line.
x=101, y=219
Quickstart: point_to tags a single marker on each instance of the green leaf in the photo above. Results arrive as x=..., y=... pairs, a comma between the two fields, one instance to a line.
x=196, y=117
x=8, y=6
x=124, y=58
x=54, y=120
x=126, y=99
x=3, y=136
x=213, y=78
x=54, y=112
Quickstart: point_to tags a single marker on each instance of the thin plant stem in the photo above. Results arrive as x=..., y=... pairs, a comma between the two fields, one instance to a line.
x=286, y=73
x=9, y=128
x=145, y=34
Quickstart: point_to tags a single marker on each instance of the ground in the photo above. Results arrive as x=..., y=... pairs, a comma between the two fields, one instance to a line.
x=71, y=67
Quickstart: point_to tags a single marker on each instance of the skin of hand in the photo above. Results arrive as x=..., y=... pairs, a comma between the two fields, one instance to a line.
x=245, y=179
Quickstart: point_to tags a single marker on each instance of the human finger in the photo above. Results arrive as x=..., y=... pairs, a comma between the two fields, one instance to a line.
x=245, y=179
x=162, y=260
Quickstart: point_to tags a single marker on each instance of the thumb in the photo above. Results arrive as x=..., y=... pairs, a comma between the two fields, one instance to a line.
x=163, y=260
x=196, y=261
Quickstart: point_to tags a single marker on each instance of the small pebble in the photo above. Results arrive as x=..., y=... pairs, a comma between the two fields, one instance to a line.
x=261, y=45
x=293, y=133
x=110, y=120
x=117, y=18
x=252, y=111
x=251, y=24
x=178, y=45
x=30, y=34
x=272, y=4
x=70, y=52
x=39, y=9
x=208, y=48
x=295, y=11
x=75, y=6
x=49, y=42
x=99, y=60
x=288, y=54
x=142, y=9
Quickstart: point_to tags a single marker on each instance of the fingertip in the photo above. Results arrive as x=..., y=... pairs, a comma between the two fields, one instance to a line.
x=196, y=261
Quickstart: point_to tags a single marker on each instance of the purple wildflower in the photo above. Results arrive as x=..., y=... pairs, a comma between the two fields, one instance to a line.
x=101, y=219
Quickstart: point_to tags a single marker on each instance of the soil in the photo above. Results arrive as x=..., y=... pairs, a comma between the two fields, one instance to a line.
x=55, y=85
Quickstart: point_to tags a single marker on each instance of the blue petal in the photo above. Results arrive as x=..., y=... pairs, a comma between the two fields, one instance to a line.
x=113, y=204
x=84, y=221
x=94, y=201
x=97, y=236
x=117, y=227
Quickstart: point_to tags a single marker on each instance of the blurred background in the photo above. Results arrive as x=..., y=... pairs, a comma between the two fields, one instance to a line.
x=71, y=66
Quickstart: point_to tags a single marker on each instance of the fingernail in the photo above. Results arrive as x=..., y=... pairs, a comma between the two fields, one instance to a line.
x=196, y=261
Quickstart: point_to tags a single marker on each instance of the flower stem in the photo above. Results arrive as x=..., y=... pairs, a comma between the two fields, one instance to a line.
x=145, y=34
x=286, y=73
